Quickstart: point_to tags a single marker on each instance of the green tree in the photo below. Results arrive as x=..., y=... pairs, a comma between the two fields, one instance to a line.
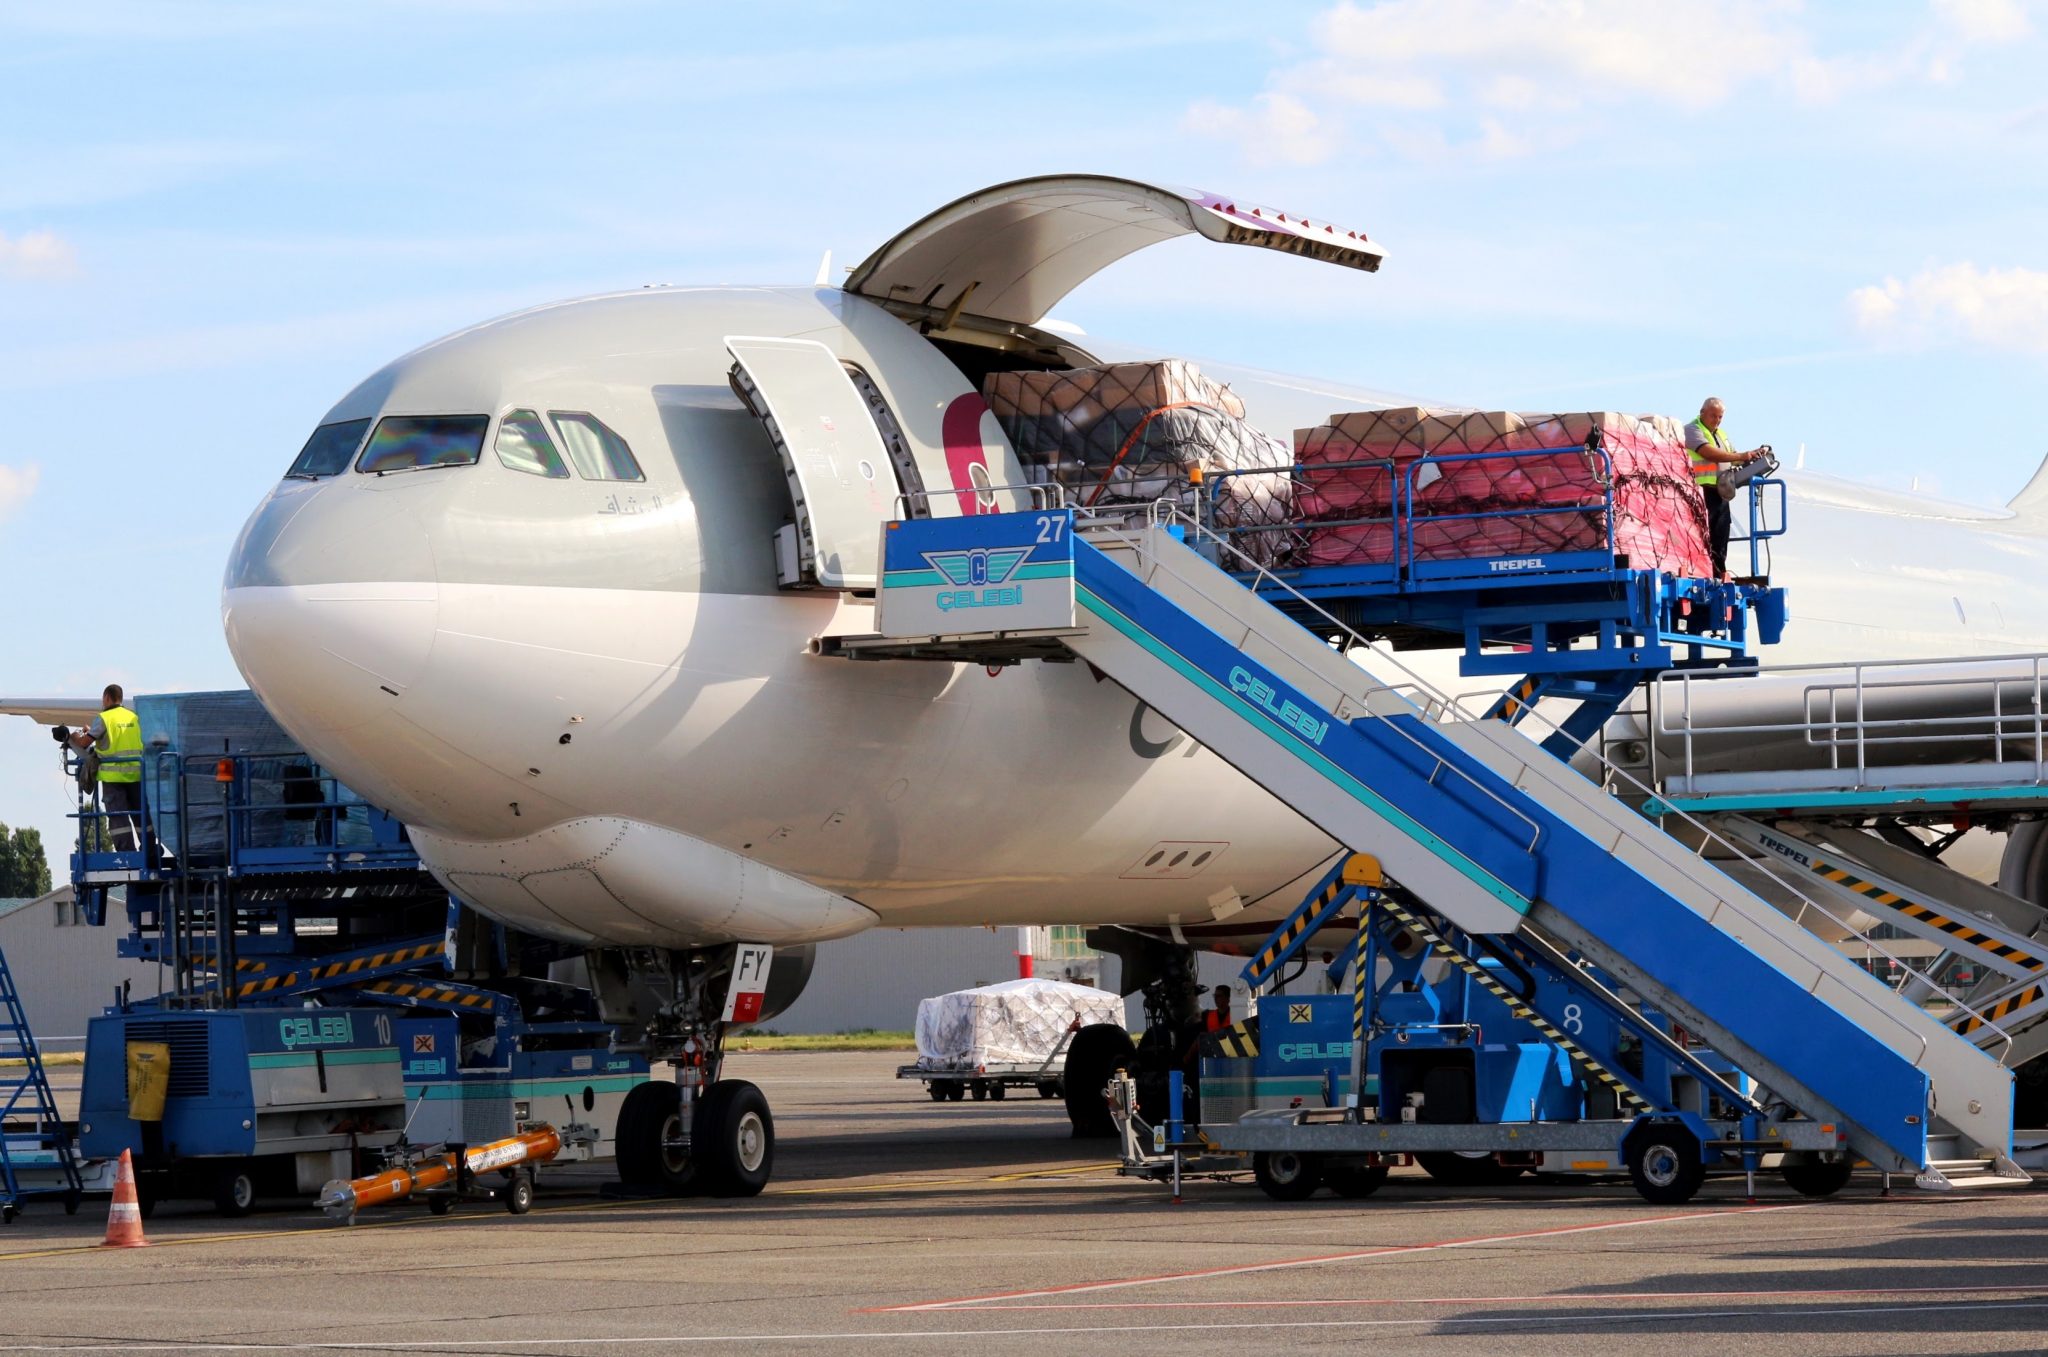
x=24, y=869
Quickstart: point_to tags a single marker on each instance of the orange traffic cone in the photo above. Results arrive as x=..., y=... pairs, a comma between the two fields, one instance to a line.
x=124, y=1216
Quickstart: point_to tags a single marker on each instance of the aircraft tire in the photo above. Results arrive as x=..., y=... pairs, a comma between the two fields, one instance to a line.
x=734, y=1139
x=1093, y=1056
x=651, y=1117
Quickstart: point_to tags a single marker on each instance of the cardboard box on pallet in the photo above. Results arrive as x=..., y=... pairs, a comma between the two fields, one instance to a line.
x=1129, y=433
x=1450, y=467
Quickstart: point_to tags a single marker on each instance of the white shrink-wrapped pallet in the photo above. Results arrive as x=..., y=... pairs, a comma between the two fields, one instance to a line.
x=1019, y=1022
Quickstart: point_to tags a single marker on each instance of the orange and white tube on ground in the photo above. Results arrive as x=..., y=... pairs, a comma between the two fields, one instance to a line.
x=343, y=1198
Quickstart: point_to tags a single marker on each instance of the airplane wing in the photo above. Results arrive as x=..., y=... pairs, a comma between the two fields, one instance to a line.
x=52, y=711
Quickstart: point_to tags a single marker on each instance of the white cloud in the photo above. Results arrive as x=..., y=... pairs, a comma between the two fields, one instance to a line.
x=1556, y=53
x=16, y=485
x=1996, y=308
x=1985, y=20
x=37, y=254
x=1276, y=127
x=1494, y=78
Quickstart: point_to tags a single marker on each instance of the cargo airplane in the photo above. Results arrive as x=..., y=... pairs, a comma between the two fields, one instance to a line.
x=549, y=589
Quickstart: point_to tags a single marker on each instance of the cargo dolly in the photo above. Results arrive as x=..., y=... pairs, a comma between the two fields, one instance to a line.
x=950, y=1081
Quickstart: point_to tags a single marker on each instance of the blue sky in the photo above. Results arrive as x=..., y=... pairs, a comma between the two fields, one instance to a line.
x=215, y=217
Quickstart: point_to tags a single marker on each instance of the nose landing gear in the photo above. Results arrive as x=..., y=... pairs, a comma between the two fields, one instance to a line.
x=699, y=1135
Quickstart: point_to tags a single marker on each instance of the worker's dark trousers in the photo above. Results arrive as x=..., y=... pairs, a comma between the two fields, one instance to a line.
x=1717, y=527
x=121, y=796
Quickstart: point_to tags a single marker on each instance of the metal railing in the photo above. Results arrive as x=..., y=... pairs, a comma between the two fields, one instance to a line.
x=1403, y=515
x=2003, y=714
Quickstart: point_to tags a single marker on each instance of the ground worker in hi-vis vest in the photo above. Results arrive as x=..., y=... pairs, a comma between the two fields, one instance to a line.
x=1708, y=450
x=116, y=735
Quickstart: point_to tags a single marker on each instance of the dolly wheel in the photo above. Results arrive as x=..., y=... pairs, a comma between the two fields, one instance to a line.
x=519, y=1194
x=997, y=1091
x=440, y=1203
x=937, y=1089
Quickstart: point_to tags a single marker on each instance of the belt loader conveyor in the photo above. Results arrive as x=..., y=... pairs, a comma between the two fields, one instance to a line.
x=1469, y=815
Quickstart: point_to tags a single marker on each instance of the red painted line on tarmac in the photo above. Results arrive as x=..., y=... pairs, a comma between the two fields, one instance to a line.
x=1802, y=1293
x=1321, y=1259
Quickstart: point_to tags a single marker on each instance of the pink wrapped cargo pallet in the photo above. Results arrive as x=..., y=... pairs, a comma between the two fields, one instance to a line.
x=1519, y=462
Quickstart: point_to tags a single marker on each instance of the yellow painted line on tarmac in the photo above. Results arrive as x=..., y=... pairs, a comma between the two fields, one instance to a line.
x=325, y=1228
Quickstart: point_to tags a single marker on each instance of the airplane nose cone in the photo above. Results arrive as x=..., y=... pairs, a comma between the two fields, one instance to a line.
x=330, y=605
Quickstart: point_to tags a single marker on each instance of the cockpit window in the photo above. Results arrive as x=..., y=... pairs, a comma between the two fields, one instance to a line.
x=412, y=442
x=329, y=449
x=524, y=445
x=597, y=453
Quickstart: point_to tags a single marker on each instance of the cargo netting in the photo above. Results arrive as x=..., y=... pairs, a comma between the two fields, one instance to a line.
x=1130, y=433
x=1512, y=464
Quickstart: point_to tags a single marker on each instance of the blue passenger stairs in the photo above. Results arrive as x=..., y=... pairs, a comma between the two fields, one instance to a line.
x=1469, y=815
x=36, y=1158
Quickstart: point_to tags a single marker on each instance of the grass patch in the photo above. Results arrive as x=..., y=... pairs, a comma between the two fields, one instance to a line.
x=866, y=1039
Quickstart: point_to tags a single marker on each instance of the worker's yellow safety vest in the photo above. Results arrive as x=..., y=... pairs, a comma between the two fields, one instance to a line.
x=1704, y=471
x=124, y=742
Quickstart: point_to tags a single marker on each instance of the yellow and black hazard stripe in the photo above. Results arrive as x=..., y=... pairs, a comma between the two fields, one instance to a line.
x=1358, y=977
x=1303, y=919
x=1598, y=1072
x=1960, y=931
x=440, y=994
x=1514, y=699
x=398, y=956
x=2001, y=1010
x=1240, y=1040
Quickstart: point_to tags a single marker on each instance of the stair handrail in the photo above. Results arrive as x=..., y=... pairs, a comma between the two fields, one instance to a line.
x=1163, y=513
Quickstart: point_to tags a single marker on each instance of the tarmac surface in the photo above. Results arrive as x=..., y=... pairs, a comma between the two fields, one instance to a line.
x=895, y=1223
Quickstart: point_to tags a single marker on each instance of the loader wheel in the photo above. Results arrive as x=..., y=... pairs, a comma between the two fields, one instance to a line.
x=1287, y=1176
x=1093, y=1056
x=1353, y=1181
x=1811, y=1176
x=1665, y=1165
x=1453, y=1169
x=234, y=1192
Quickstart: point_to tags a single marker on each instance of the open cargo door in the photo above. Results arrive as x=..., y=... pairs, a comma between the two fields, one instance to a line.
x=1011, y=252
x=839, y=470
